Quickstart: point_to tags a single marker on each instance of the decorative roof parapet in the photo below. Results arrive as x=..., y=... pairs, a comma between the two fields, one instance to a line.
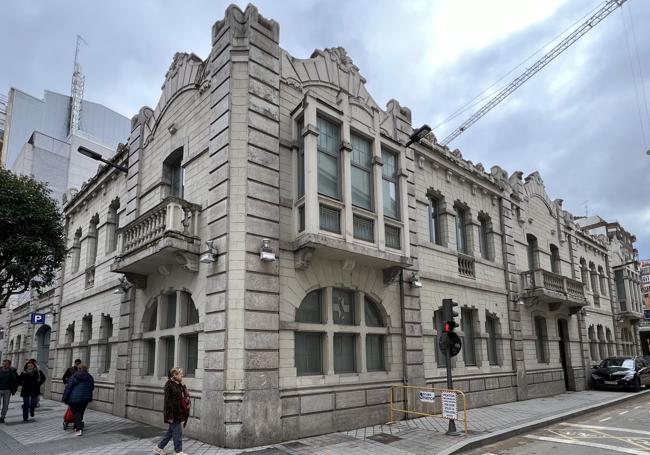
x=241, y=22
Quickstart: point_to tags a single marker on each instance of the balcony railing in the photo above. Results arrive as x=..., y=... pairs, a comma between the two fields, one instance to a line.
x=553, y=289
x=466, y=266
x=163, y=235
x=171, y=215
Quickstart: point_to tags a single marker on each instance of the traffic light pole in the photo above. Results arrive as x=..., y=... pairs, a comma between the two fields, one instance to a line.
x=450, y=385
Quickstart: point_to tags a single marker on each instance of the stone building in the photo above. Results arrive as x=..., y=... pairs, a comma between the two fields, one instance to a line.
x=271, y=236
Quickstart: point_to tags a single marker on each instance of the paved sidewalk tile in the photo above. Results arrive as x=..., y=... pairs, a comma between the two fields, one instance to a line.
x=106, y=434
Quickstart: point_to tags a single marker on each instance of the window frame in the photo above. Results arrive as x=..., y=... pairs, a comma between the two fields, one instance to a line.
x=391, y=179
x=334, y=154
x=362, y=168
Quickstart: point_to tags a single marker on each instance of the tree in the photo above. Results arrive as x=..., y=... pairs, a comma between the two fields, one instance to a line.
x=32, y=243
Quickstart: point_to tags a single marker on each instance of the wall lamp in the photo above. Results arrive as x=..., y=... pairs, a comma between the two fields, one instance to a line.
x=418, y=134
x=415, y=280
x=266, y=252
x=97, y=157
x=123, y=287
x=209, y=256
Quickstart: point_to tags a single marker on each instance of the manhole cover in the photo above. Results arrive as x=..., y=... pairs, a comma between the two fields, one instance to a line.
x=384, y=438
x=267, y=451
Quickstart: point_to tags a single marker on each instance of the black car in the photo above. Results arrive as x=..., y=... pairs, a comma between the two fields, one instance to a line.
x=621, y=372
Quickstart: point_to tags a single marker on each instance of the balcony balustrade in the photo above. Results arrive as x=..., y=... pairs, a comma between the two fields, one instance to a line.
x=165, y=235
x=553, y=289
x=466, y=266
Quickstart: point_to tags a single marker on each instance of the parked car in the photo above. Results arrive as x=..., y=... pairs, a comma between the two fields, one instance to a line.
x=621, y=372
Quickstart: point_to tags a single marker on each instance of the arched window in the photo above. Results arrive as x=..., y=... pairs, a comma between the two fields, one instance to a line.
x=86, y=335
x=105, y=334
x=112, y=223
x=602, y=346
x=594, y=278
x=610, y=343
x=170, y=335
x=603, y=280
x=354, y=341
x=555, y=260
x=91, y=239
x=173, y=173
x=532, y=252
x=541, y=340
x=437, y=225
x=593, y=344
x=462, y=235
x=76, y=251
x=584, y=273
x=485, y=236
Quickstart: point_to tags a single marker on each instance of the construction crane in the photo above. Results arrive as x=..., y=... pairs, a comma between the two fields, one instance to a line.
x=574, y=36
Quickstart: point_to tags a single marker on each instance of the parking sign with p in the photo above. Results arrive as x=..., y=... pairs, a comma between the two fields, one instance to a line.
x=38, y=318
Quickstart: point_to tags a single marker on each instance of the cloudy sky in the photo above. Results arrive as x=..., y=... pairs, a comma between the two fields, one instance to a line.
x=582, y=122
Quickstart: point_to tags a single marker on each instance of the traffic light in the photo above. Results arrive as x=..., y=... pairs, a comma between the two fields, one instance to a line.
x=449, y=315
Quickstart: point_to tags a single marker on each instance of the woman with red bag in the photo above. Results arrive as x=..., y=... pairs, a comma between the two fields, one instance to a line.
x=175, y=411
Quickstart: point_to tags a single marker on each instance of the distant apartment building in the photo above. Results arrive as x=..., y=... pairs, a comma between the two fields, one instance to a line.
x=3, y=117
x=38, y=139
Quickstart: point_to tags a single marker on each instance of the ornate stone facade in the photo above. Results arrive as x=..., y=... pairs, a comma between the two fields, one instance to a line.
x=267, y=238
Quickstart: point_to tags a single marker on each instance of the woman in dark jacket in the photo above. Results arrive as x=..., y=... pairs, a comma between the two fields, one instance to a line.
x=31, y=380
x=176, y=410
x=77, y=394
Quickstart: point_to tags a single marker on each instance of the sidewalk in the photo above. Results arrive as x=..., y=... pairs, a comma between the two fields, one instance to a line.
x=106, y=434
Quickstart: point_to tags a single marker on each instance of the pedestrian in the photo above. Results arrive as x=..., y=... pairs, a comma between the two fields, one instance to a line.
x=31, y=380
x=38, y=397
x=70, y=371
x=176, y=410
x=77, y=394
x=8, y=385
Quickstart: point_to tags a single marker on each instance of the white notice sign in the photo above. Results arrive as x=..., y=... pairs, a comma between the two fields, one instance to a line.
x=449, y=406
x=427, y=397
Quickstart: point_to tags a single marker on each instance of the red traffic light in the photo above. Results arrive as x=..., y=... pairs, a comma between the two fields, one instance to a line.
x=449, y=326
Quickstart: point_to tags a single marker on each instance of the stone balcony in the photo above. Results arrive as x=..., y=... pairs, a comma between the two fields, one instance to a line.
x=542, y=286
x=163, y=236
x=627, y=312
x=644, y=325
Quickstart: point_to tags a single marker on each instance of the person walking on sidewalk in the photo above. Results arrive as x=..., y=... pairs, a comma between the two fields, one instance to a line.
x=77, y=394
x=70, y=371
x=31, y=380
x=8, y=385
x=176, y=410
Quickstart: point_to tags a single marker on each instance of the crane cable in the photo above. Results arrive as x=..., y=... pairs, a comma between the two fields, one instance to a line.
x=642, y=95
x=482, y=96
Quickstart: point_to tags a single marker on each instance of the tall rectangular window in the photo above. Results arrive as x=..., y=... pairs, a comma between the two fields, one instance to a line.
x=149, y=356
x=168, y=346
x=330, y=219
x=390, y=184
x=361, y=173
x=434, y=221
x=483, y=238
x=491, y=329
x=392, y=234
x=467, y=326
x=328, y=158
x=461, y=230
x=364, y=229
x=169, y=313
x=344, y=353
x=176, y=171
x=301, y=160
x=540, y=340
x=343, y=307
x=374, y=352
x=309, y=353
x=190, y=353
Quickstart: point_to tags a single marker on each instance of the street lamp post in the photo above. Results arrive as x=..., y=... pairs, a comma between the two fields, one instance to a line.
x=97, y=157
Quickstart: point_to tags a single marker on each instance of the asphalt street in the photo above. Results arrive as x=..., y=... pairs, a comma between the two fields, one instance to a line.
x=623, y=428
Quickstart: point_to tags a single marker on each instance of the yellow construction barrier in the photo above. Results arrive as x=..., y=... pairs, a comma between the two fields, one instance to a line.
x=426, y=398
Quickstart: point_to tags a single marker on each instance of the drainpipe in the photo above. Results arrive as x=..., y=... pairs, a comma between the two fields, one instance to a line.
x=56, y=319
x=405, y=379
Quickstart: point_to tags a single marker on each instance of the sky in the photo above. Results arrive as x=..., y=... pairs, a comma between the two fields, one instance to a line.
x=583, y=121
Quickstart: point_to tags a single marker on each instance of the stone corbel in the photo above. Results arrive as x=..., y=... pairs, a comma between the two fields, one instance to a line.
x=346, y=146
x=377, y=160
x=391, y=274
x=449, y=175
x=136, y=280
x=303, y=257
x=188, y=261
x=402, y=173
x=310, y=129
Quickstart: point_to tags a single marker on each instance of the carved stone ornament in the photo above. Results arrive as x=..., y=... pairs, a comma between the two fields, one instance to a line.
x=391, y=274
x=348, y=265
x=188, y=261
x=449, y=175
x=303, y=257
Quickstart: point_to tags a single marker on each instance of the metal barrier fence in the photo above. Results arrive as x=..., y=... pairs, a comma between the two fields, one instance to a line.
x=419, y=400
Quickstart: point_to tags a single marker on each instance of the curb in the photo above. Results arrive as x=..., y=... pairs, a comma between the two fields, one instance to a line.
x=507, y=433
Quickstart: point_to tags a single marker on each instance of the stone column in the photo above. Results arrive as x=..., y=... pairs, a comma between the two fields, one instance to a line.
x=512, y=286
